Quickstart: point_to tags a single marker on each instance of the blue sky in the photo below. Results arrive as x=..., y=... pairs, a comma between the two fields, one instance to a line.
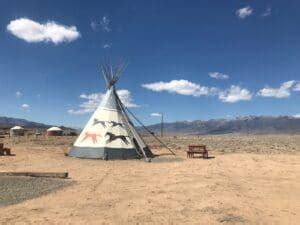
x=189, y=60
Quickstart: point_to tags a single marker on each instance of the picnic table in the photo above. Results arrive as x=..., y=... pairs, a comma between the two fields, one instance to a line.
x=4, y=151
x=193, y=150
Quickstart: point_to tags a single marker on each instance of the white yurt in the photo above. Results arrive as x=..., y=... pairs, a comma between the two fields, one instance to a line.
x=54, y=131
x=17, y=131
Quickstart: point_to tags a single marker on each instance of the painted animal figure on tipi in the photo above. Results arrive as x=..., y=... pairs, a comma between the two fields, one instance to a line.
x=113, y=137
x=114, y=124
x=109, y=133
x=93, y=136
x=96, y=121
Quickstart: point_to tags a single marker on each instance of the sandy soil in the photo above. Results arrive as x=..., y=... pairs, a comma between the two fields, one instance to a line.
x=260, y=187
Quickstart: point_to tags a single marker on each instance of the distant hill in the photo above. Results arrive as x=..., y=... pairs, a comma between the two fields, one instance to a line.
x=7, y=122
x=248, y=124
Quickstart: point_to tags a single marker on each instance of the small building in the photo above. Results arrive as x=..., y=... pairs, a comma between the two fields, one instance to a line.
x=54, y=131
x=16, y=131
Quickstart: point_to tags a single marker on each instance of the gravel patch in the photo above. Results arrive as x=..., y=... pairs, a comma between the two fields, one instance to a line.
x=17, y=189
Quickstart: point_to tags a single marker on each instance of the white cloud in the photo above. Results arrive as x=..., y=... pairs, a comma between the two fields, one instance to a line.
x=19, y=94
x=25, y=107
x=182, y=87
x=244, y=12
x=78, y=111
x=50, y=31
x=267, y=12
x=297, y=116
x=235, y=94
x=284, y=91
x=92, y=101
x=126, y=98
x=105, y=24
x=105, y=46
x=94, y=25
x=218, y=76
x=297, y=86
x=156, y=114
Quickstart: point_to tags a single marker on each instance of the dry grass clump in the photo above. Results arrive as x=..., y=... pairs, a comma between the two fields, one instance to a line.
x=230, y=143
x=264, y=144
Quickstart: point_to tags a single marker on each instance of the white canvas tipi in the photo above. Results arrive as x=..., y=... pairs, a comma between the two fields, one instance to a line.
x=109, y=134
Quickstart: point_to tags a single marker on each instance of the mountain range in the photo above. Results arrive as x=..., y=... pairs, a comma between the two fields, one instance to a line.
x=8, y=122
x=247, y=124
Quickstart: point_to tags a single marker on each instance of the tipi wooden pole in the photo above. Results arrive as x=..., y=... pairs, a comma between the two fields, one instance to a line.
x=150, y=131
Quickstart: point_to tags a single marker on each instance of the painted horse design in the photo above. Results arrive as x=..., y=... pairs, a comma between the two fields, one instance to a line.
x=114, y=124
x=96, y=121
x=93, y=136
x=113, y=137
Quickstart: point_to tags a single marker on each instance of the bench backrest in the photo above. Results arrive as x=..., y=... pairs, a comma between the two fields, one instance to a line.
x=197, y=147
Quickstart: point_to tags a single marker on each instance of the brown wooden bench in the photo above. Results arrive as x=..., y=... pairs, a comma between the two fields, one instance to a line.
x=4, y=151
x=197, y=149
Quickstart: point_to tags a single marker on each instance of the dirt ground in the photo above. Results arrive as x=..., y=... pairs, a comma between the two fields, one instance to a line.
x=251, y=180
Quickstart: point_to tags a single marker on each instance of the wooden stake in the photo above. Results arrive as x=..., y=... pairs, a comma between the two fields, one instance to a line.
x=36, y=174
